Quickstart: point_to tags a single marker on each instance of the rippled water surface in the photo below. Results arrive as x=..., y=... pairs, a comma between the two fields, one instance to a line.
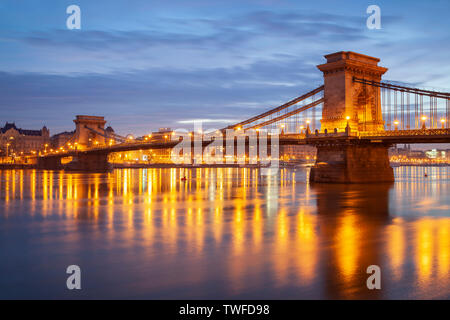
x=223, y=233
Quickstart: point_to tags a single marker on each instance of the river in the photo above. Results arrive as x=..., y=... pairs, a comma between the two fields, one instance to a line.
x=223, y=233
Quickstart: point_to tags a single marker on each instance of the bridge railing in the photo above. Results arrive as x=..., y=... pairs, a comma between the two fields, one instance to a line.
x=407, y=108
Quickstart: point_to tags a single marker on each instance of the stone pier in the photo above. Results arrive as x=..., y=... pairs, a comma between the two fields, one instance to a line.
x=91, y=162
x=49, y=163
x=350, y=108
x=352, y=163
x=81, y=161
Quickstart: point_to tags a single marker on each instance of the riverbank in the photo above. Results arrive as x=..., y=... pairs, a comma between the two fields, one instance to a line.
x=189, y=166
x=15, y=166
x=12, y=166
x=394, y=165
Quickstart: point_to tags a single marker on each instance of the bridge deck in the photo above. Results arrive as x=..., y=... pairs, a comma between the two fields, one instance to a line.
x=387, y=137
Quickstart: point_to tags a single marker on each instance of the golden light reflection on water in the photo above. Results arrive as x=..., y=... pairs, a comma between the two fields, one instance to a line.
x=396, y=249
x=307, y=239
x=347, y=250
x=256, y=233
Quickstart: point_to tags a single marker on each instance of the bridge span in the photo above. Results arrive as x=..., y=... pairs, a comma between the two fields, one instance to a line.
x=352, y=120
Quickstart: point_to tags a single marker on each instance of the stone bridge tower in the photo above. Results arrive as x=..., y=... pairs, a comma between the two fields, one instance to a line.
x=89, y=131
x=345, y=98
x=350, y=159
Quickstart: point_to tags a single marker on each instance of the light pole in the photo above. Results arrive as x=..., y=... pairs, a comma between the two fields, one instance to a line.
x=396, y=125
x=424, y=119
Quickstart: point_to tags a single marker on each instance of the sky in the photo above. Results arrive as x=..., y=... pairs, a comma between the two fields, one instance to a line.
x=148, y=64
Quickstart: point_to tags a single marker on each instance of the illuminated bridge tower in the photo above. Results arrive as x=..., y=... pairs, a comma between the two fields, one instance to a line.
x=351, y=107
x=89, y=131
x=346, y=98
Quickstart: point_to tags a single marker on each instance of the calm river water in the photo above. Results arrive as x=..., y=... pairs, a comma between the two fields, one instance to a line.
x=223, y=233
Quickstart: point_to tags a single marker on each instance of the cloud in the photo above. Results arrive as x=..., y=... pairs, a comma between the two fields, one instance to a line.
x=222, y=67
x=156, y=97
x=192, y=43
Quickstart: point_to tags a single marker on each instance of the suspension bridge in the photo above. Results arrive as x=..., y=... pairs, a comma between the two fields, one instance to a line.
x=352, y=119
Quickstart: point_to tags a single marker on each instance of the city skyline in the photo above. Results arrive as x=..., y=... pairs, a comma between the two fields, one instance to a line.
x=255, y=151
x=168, y=63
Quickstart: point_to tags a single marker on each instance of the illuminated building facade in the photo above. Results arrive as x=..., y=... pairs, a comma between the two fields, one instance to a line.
x=17, y=141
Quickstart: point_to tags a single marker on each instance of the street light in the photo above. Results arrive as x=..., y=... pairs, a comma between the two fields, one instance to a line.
x=301, y=129
x=424, y=119
x=396, y=122
x=348, y=119
x=443, y=123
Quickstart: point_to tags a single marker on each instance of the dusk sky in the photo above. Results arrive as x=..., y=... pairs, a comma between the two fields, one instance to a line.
x=149, y=64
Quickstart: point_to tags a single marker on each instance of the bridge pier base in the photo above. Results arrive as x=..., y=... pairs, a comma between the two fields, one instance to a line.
x=352, y=163
x=89, y=163
x=49, y=163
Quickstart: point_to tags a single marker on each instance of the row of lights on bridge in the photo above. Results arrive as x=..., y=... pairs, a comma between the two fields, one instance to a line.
x=149, y=136
x=396, y=123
